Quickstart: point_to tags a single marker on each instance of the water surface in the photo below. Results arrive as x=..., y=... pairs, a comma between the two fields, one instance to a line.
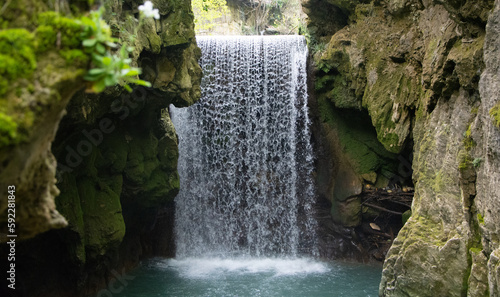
x=252, y=277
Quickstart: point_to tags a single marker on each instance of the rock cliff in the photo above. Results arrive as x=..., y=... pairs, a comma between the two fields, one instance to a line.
x=99, y=168
x=424, y=74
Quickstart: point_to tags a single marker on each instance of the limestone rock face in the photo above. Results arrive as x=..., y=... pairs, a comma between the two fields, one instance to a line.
x=426, y=74
x=487, y=200
x=435, y=241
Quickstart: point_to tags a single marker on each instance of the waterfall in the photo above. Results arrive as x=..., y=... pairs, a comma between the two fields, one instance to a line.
x=246, y=161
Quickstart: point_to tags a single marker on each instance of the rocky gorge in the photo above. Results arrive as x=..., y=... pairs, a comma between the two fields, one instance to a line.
x=404, y=95
x=424, y=74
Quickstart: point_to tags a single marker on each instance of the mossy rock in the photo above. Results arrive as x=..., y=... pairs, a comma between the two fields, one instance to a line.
x=104, y=224
x=52, y=24
x=388, y=100
x=357, y=140
x=8, y=130
x=69, y=205
x=160, y=188
x=17, y=56
x=495, y=114
x=347, y=213
x=347, y=6
x=113, y=152
x=142, y=159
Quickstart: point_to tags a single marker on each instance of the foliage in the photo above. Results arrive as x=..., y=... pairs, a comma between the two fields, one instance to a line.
x=113, y=69
x=318, y=47
x=108, y=69
x=285, y=16
x=477, y=162
x=17, y=58
x=78, y=40
x=251, y=17
x=207, y=12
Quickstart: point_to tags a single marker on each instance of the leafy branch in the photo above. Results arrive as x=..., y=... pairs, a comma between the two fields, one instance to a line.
x=111, y=63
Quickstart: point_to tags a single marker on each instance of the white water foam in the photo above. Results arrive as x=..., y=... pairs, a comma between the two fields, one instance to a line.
x=215, y=267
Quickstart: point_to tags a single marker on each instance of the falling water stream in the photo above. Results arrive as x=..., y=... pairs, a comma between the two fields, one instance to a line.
x=244, y=218
x=245, y=155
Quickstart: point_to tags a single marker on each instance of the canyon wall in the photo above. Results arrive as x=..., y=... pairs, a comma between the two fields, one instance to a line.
x=95, y=174
x=424, y=75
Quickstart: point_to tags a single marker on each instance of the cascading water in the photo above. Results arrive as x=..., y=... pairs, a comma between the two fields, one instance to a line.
x=246, y=159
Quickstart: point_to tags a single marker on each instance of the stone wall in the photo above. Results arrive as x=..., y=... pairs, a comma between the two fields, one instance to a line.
x=418, y=69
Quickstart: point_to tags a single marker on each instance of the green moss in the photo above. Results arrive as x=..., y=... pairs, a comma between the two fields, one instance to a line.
x=51, y=24
x=114, y=152
x=425, y=229
x=104, y=224
x=476, y=250
x=390, y=141
x=342, y=95
x=75, y=56
x=68, y=204
x=464, y=160
x=168, y=154
x=323, y=82
x=17, y=58
x=439, y=182
x=142, y=158
x=361, y=11
x=464, y=156
x=495, y=114
x=480, y=219
x=468, y=132
x=161, y=187
x=46, y=38
x=8, y=130
x=357, y=139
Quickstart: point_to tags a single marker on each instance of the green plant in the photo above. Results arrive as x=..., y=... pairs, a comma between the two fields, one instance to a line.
x=97, y=34
x=477, y=162
x=112, y=70
x=108, y=69
x=318, y=47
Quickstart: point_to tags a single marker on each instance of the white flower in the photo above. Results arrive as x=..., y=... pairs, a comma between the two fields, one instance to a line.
x=148, y=10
